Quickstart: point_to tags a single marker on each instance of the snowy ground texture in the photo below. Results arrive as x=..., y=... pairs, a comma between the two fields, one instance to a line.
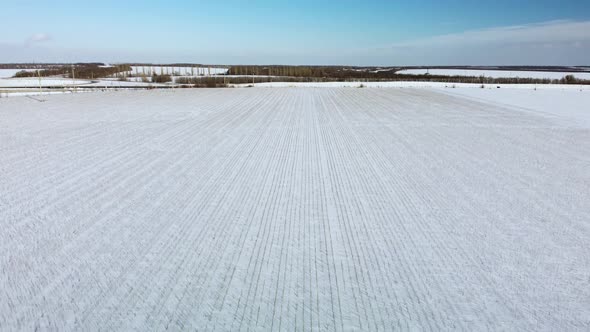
x=292, y=209
x=33, y=82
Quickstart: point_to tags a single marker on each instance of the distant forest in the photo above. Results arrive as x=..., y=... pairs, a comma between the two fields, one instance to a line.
x=79, y=70
x=337, y=73
x=238, y=74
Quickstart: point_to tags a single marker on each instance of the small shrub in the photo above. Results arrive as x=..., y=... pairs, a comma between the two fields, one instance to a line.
x=24, y=73
x=569, y=79
x=164, y=78
x=211, y=84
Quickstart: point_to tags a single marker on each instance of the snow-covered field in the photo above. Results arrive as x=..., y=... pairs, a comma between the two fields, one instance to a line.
x=6, y=73
x=33, y=82
x=110, y=83
x=293, y=209
x=495, y=73
x=560, y=104
x=416, y=84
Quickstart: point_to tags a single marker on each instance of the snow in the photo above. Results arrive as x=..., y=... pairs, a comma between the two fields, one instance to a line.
x=495, y=73
x=33, y=82
x=6, y=73
x=571, y=105
x=35, y=92
x=403, y=84
x=130, y=83
x=293, y=209
x=346, y=85
x=382, y=70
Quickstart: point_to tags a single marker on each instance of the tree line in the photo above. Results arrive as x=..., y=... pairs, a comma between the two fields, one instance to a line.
x=84, y=71
x=336, y=73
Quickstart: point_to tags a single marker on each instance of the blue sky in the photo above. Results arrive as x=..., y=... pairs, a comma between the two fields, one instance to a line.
x=366, y=32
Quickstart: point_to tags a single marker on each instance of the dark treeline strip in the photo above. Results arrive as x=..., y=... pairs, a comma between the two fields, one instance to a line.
x=45, y=65
x=164, y=78
x=313, y=71
x=300, y=70
x=85, y=71
x=275, y=73
x=41, y=72
x=224, y=81
x=221, y=81
x=186, y=65
x=331, y=74
x=92, y=72
x=568, y=69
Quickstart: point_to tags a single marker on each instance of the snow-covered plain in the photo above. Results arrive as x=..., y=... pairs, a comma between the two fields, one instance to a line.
x=495, y=73
x=415, y=84
x=572, y=105
x=292, y=209
x=33, y=82
x=6, y=73
x=113, y=83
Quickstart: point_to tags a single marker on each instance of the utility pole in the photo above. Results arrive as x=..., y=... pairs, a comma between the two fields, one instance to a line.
x=74, y=77
x=39, y=74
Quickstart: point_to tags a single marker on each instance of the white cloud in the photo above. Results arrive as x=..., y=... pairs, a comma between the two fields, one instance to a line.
x=542, y=33
x=550, y=43
x=38, y=38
